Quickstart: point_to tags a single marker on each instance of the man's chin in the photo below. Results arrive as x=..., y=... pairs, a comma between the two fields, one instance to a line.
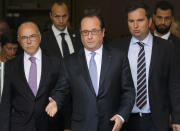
x=61, y=28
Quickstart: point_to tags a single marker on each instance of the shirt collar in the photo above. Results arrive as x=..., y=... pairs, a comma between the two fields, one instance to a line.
x=166, y=36
x=57, y=32
x=147, y=41
x=37, y=55
x=98, y=51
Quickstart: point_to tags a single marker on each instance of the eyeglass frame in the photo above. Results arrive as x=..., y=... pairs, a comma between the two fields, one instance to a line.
x=93, y=32
x=32, y=37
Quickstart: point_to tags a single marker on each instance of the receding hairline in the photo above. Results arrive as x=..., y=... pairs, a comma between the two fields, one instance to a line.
x=28, y=23
x=56, y=4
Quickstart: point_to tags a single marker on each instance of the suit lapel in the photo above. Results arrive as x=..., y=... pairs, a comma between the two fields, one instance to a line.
x=105, y=65
x=26, y=89
x=84, y=70
x=43, y=76
x=153, y=56
x=73, y=39
x=54, y=43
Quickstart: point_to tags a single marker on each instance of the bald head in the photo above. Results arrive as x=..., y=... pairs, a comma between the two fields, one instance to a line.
x=30, y=25
x=29, y=37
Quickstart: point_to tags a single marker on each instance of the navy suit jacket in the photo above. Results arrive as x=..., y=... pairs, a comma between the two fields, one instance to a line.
x=116, y=91
x=164, y=85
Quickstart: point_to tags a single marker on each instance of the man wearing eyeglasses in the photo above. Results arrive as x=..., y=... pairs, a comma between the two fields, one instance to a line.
x=98, y=79
x=29, y=80
x=60, y=40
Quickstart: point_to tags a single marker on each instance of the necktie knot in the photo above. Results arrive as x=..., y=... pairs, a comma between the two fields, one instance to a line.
x=62, y=35
x=32, y=59
x=93, y=54
x=141, y=44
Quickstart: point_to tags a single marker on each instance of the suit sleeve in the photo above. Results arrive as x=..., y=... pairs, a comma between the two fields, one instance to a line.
x=5, y=105
x=62, y=88
x=174, y=84
x=127, y=89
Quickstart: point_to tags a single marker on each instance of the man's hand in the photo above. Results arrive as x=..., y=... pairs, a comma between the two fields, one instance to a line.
x=51, y=108
x=67, y=130
x=118, y=123
x=176, y=127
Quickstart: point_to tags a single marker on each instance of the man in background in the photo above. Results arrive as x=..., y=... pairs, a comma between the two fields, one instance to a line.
x=60, y=40
x=163, y=17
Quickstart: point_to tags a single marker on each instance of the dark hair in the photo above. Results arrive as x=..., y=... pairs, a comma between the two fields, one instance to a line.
x=93, y=12
x=136, y=5
x=9, y=37
x=164, y=5
x=58, y=2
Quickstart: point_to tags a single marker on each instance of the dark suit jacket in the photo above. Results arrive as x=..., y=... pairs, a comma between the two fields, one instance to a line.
x=20, y=109
x=116, y=91
x=164, y=87
x=50, y=46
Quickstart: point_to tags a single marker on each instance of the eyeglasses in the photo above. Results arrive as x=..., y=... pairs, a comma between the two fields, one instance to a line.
x=32, y=37
x=93, y=32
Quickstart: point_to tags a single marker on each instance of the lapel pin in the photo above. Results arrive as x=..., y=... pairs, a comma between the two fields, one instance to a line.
x=74, y=35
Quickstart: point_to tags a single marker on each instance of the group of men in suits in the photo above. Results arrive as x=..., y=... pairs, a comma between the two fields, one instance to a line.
x=153, y=69
x=131, y=84
x=16, y=118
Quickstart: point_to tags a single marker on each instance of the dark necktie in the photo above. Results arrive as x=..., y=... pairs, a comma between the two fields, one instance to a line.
x=93, y=72
x=65, y=47
x=33, y=75
x=141, y=96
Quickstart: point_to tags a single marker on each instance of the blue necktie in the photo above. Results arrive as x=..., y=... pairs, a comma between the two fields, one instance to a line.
x=93, y=72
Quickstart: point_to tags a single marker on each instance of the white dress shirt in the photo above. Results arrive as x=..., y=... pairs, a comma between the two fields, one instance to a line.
x=27, y=65
x=1, y=77
x=59, y=39
x=166, y=36
x=134, y=49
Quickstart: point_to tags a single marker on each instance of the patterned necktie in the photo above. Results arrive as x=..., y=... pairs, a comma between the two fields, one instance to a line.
x=33, y=75
x=65, y=47
x=93, y=72
x=141, y=96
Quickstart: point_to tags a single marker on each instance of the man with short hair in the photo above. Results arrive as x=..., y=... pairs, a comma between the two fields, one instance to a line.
x=162, y=18
x=60, y=40
x=152, y=66
x=99, y=81
x=28, y=82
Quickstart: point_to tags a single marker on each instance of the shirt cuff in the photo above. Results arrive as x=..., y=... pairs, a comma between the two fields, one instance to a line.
x=121, y=118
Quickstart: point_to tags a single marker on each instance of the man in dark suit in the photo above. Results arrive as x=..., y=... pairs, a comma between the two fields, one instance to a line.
x=29, y=80
x=53, y=39
x=59, y=41
x=152, y=68
x=98, y=79
x=162, y=18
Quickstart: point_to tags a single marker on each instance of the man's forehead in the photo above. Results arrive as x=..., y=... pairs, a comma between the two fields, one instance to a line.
x=59, y=8
x=163, y=12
